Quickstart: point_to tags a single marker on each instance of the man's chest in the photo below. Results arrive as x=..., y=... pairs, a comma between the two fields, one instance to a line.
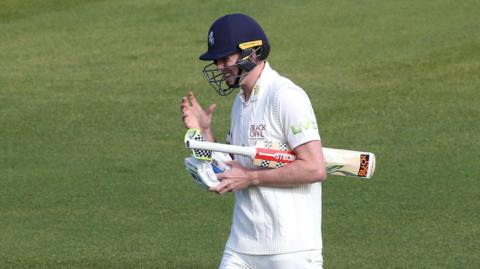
x=253, y=123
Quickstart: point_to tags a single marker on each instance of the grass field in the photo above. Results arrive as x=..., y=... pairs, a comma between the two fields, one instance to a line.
x=91, y=154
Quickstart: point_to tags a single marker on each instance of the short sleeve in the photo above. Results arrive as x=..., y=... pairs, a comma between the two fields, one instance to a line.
x=297, y=118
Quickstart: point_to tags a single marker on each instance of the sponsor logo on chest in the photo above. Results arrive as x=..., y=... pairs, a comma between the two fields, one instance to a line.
x=257, y=131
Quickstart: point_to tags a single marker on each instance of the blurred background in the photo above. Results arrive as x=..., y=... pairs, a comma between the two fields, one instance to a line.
x=91, y=137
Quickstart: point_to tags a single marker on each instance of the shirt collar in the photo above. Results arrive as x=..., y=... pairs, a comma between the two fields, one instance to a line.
x=260, y=85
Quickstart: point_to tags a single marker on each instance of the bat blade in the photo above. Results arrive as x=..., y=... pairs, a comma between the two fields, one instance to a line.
x=352, y=163
x=340, y=162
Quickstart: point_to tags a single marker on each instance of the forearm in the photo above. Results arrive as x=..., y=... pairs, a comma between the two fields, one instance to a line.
x=308, y=168
x=207, y=134
x=296, y=173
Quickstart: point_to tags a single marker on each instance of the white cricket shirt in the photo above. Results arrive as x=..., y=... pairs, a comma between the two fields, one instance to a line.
x=268, y=220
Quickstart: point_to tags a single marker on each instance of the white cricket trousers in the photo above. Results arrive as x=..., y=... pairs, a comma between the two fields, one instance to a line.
x=308, y=259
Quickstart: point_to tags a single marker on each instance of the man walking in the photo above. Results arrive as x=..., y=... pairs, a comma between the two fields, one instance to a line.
x=277, y=213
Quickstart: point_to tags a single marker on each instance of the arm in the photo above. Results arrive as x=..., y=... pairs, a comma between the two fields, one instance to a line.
x=195, y=117
x=307, y=168
x=298, y=123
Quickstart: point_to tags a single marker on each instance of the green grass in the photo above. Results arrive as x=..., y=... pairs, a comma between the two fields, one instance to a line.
x=91, y=154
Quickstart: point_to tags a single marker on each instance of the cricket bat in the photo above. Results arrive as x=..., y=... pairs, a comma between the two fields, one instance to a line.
x=275, y=155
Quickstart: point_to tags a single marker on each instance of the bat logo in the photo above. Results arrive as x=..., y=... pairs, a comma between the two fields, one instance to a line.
x=274, y=155
x=284, y=157
x=364, y=158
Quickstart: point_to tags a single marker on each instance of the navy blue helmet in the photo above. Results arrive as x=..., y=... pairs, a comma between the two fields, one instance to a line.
x=233, y=33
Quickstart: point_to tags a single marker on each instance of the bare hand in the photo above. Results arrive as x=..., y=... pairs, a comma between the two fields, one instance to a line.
x=193, y=114
x=236, y=178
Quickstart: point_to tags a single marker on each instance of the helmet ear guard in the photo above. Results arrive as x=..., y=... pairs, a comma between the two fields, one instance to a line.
x=263, y=52
x=256, y=48
x=245, y=61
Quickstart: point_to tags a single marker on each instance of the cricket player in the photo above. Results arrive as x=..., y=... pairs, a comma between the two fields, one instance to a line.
x=277, y=213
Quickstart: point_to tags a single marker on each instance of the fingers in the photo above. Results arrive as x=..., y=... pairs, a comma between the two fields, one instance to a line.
x=184, y=108
x=229, y=182
x=190, y=101
x=233, y=164
x=220, y=186
x=187, y=119
x=184, y=105
x=193, y=115
x=193, y=100
x=211, y=108
x=227, y=188
x=221, y=176
x=187, y=100
x=223, y=187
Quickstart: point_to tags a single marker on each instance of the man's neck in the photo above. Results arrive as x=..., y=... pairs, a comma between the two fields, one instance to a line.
x=250, y=80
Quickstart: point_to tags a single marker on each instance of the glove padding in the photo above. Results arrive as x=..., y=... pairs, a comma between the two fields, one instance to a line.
x=204, y=172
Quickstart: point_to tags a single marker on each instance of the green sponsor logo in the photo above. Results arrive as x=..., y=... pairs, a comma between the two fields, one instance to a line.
x=296, y=130
x=304, y=126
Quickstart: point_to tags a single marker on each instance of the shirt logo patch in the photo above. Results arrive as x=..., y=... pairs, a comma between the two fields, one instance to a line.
x=257, y=131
